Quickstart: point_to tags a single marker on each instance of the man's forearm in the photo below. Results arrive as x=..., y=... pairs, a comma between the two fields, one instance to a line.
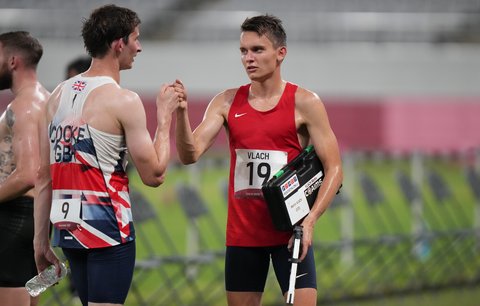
x=15, y=186
x=328, y=190
x=42, y=206
x=184, y=139
x=161, y=142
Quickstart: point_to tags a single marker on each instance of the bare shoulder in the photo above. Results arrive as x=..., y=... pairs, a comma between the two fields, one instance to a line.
x=54, y=101
x=113, y=92
x=127, y=95
x=33, y=95
x=222, y=101
x=115, y=99
x=309, y=108
x=226, y=96
x=305, y=98
x=30, y=103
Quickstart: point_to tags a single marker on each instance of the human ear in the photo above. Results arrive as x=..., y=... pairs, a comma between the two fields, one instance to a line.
x=118, y=45
x=12, y=62
x=281, y=53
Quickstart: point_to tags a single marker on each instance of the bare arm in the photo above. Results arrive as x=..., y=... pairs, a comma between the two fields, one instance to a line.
x=311, y=112
x=23, y=116
x=150, y=158
x=191, y=145
x=44, y=255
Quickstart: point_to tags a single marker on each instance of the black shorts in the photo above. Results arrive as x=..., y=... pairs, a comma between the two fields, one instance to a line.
x=102, y=275
x=17, y=262
x=246, y=268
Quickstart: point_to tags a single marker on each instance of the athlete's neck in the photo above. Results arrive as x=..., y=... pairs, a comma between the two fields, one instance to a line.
x=103, y=67
x=23, y=82
x=266, y=90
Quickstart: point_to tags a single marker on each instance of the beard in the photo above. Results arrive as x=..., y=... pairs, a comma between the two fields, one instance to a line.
x=5, y=78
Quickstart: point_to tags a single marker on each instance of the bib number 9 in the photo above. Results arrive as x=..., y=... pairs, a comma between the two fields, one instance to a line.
x=65, y=213
x=65, y=207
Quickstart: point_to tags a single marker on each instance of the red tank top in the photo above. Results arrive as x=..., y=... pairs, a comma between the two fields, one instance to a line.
x=260, y=144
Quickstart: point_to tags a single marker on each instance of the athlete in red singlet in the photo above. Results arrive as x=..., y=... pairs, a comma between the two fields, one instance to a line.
x=268, y=123
x=261, y=142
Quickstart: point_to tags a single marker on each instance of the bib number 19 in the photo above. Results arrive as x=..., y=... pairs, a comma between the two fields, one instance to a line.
x=263, y=171
x=253, y=168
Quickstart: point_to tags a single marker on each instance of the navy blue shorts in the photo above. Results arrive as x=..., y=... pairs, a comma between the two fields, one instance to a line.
x=246, y=268
x=102, y=275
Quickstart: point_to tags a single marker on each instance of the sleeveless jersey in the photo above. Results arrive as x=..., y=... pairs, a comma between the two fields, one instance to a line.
x=88, y=173
x=260, y=144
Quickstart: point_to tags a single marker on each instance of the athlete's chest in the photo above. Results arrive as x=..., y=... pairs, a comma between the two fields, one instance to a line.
x=251, y=129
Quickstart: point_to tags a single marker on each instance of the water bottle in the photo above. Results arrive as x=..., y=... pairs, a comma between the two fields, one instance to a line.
x=45, y=279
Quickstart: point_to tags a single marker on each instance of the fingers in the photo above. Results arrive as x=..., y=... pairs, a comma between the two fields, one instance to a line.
x=167, y=91
x=304, y=251
x=180, y=89
x=164, y=87
x=177, y=87
x=178, y=83
x=47, y=258
x=306, y=243
x=51, y=258
x=172, y=96
x=290, y=244
x=58, y=269
x=41, y=261
x=41, y=265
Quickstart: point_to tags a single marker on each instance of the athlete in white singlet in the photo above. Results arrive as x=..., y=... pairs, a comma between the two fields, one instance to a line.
x=90, y=123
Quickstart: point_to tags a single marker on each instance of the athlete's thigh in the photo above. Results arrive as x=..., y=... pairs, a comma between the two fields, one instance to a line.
x=78, y=261
x=306, y=272
x=246, y=269
x=17, y=263
x=110, y=272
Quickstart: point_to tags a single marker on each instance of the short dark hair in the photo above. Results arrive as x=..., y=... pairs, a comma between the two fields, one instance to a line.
x=267, y=25
x=105, y=25
x=79, y=65
x=28, y=46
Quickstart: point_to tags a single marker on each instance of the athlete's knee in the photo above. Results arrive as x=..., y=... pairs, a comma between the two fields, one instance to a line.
x=244, y=298
x=305, y=297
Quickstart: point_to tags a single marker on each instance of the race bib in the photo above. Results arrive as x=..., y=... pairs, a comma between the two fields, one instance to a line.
x=297, y=206
x=65, y=213
x=253, y=168
x=297, y=203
